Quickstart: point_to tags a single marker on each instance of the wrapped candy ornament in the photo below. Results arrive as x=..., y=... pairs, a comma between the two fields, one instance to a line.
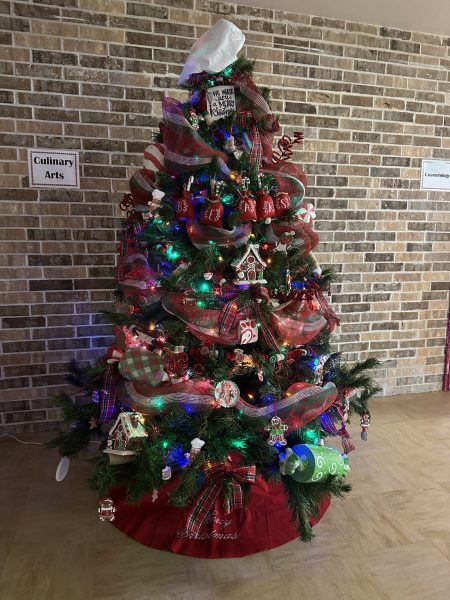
x=308, y=463
x=307, y=212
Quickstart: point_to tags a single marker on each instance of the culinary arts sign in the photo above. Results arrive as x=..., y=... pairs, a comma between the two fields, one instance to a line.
x=435, y=175
x=53, y=168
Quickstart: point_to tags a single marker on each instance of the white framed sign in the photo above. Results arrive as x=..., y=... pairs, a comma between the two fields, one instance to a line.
x=54, y=168
x=221, y=101
x=435, y=175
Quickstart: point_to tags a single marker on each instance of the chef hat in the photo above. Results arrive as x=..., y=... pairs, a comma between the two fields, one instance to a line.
x=214, y=50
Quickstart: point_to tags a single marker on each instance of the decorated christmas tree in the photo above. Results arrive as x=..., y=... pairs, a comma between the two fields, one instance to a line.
x=215, y=403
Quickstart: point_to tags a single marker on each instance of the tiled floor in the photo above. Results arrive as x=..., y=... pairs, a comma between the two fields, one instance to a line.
x=390, y=540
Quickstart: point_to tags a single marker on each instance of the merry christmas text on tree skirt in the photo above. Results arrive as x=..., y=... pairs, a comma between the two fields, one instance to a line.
x=50, y=168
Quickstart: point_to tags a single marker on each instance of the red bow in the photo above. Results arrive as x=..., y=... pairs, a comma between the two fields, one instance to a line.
x=313, y=290
x=215, y=475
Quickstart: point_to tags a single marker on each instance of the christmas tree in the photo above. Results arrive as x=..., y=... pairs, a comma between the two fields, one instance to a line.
x=215, y=402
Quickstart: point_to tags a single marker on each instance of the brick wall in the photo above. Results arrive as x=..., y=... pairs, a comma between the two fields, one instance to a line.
x=90, y=74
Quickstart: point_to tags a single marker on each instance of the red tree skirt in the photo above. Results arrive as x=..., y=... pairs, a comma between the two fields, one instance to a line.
x=265, y=523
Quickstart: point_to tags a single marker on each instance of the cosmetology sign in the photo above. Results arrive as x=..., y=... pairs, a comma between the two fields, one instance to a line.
x=435, y=175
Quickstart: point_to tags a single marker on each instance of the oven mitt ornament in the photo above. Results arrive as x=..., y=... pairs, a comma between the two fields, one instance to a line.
x=214, y=50
x=308, y=463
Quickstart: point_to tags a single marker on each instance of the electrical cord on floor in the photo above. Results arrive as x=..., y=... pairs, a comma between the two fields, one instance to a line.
x=36, y=443
x=21, y=441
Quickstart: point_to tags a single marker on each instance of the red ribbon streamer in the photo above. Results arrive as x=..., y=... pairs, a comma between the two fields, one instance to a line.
x=285, y=145
x=215, y=475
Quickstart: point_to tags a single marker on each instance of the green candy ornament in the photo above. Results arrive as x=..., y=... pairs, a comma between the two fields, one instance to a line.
x=308, y=463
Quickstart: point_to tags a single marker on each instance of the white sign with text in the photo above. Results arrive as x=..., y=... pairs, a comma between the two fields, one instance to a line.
x=435, y=175
x=221, y=101
x=54, y=168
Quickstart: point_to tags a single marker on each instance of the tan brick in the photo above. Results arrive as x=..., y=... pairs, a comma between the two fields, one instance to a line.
x=85, y=46
x=37, y=41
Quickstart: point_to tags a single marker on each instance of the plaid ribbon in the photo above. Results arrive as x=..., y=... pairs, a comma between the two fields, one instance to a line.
x=260, y=132
x=329, y=425
x=247, y=121
x=108, y=399
x=227, y=317
x=215, y=475
x=259, y=293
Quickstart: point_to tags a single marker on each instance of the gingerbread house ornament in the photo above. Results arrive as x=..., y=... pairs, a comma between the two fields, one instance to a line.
x=249, y=267
x=124, y=435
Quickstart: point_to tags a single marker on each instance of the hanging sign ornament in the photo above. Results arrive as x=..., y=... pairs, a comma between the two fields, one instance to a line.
x=221, y=101
x=227, y=393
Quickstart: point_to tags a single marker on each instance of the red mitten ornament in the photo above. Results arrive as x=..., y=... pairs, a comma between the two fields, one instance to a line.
x=247, y=208
x=282, y=202
x=264, y=206
x=213, y=214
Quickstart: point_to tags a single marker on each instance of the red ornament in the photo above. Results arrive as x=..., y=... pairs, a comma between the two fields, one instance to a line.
x=213, y=214
x=247, y=208
x=176, y=363
x=185, y=208
x=264, y=206
x=106, y=509
x=282, y=203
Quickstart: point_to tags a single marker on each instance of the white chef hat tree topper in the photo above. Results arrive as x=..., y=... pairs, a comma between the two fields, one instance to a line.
x=214, y=50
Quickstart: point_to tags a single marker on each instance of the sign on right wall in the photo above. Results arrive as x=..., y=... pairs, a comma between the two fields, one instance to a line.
x=435, y=175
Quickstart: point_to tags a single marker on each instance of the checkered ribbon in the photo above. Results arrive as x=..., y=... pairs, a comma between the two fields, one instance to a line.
x=108, y=399
x=142, y=366
x=227, y=317
x=327, y=421
x=216, y=474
